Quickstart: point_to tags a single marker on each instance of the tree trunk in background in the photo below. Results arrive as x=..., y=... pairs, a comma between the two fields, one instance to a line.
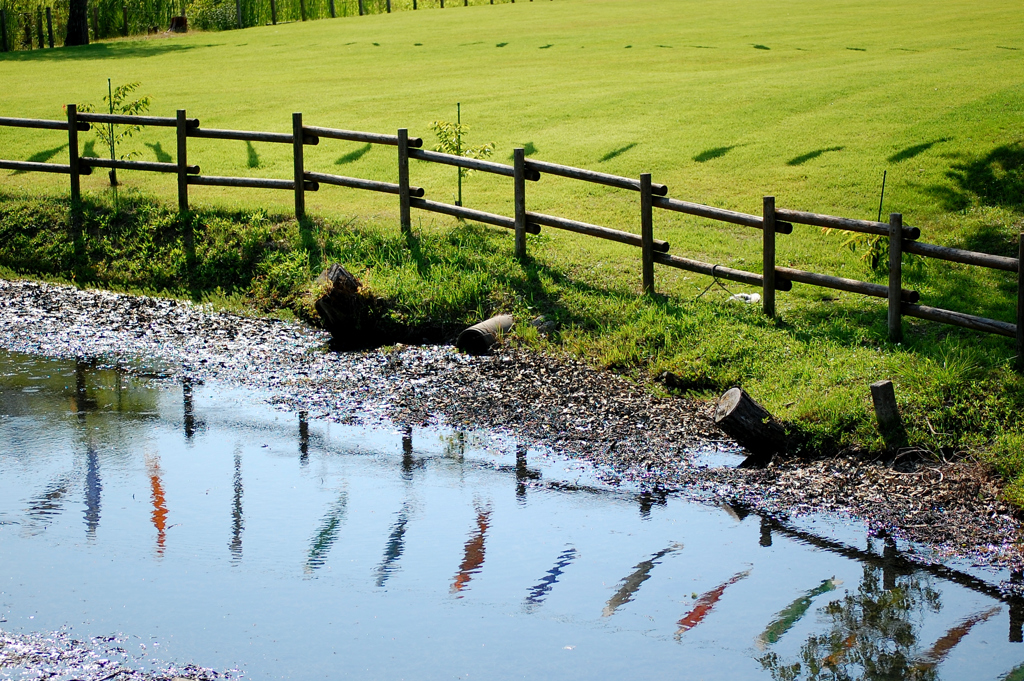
x=78, y=23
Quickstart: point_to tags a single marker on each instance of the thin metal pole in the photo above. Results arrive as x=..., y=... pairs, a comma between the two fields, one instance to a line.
x=519, y=183
x=458, y=142
x=300, y=174
x=182, y=133
x=405, y=213
x=647, y=233
x=768, y=256
x=895, y=277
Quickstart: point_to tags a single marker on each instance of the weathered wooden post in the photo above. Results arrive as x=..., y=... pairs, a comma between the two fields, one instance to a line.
x=403, y=180
x=519, y=187
x=1020, y=302
x=49, y=26
x=895, y=277
x=124, y=19
x=300, y=173
x=768, y=256
x=39, y=27
x=333, y=13
x=273, y=11
x=883, y=396
x=238, y=13
x=388, y=5
x=442, y=4
x=302, y=9
x=3, y=30
x=360, y=7
x=647, y=233
x=95, y=20
x=76, y=187
x=182, y=134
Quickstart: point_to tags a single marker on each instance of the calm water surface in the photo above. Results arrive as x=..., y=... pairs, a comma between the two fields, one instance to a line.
x=227, y=533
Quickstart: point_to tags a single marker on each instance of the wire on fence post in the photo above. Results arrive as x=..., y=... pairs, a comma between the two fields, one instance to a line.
x=49, y=26
x=647, y=233
x=1020, y=302
x=76, y=187
x=300, y=178
x=182, y=133
x=895, y=277
x=519, y=187
x=768, y=256
x=403, y=180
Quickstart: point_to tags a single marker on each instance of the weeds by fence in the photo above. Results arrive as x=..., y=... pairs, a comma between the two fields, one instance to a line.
x=772, y=222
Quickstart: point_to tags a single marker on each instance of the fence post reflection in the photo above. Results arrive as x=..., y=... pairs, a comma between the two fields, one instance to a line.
x=188, y=407
x=303, y=438
x=1016, y=604
x=408, y=462
x=93, y=490
x=237, y=516
x=766, y=532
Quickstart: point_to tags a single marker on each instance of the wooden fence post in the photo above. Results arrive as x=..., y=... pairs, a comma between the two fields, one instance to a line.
x=300, y=173
x=273, y=11
x=3, y=30
x=895, y=277
x=76, y=187
x=388, y=4
x=49, y=26
x=124, y=19
x=403, y=181
x=414, y=4
x=238, y=12
x=334, y=14
x=302, y=9
x=768, y=256
x=360, y=7
x=519, y=187
x=95, y=20
x=647, y=233
x=39, y=27
x=1020, y=302
x=182, y=132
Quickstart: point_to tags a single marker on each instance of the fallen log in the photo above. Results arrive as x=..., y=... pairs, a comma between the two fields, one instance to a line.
x=750, y=424
x=478, y=339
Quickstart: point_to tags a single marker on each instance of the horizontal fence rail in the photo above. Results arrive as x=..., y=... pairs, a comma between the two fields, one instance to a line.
x=772, y=222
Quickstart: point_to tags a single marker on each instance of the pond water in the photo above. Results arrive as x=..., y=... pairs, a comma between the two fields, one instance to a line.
x=209, y=527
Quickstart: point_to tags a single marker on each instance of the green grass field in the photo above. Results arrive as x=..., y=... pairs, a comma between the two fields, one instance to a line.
x=725, y=101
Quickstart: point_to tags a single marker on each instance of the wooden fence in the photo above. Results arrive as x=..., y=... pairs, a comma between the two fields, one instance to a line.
x=773, y=220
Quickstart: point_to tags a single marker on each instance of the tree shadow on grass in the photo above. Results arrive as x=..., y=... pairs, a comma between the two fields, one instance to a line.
x=158, y=151
x=353, y=156
x=252, y=158
x=995, y=179
x=125, y=49
x=811, y=155
x=713, y=153
x=42, y=157
x=617, y=152
x=917, y=149
x=529, y=149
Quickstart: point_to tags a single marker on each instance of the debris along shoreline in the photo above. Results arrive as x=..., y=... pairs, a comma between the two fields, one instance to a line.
x=952, y=508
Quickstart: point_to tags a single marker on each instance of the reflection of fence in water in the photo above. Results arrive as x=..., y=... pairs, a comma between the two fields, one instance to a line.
x=773, y=221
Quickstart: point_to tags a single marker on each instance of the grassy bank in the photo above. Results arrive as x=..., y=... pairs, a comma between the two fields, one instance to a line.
x=723, y=100
x=812, y=368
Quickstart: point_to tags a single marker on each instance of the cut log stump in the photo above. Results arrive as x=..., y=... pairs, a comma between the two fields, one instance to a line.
x=343, y=308
x=478, y=339
x=890, y=425
x=750, y=424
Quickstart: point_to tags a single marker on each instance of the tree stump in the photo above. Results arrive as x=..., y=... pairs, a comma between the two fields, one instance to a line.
x=750, y=424
x=179, y=24
x=343, y=308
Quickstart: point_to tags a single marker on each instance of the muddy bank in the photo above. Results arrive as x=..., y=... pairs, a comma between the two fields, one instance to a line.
x=952, y=507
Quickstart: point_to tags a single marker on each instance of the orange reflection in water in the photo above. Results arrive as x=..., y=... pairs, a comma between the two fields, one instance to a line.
x=474, y=554
x=159, y=515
